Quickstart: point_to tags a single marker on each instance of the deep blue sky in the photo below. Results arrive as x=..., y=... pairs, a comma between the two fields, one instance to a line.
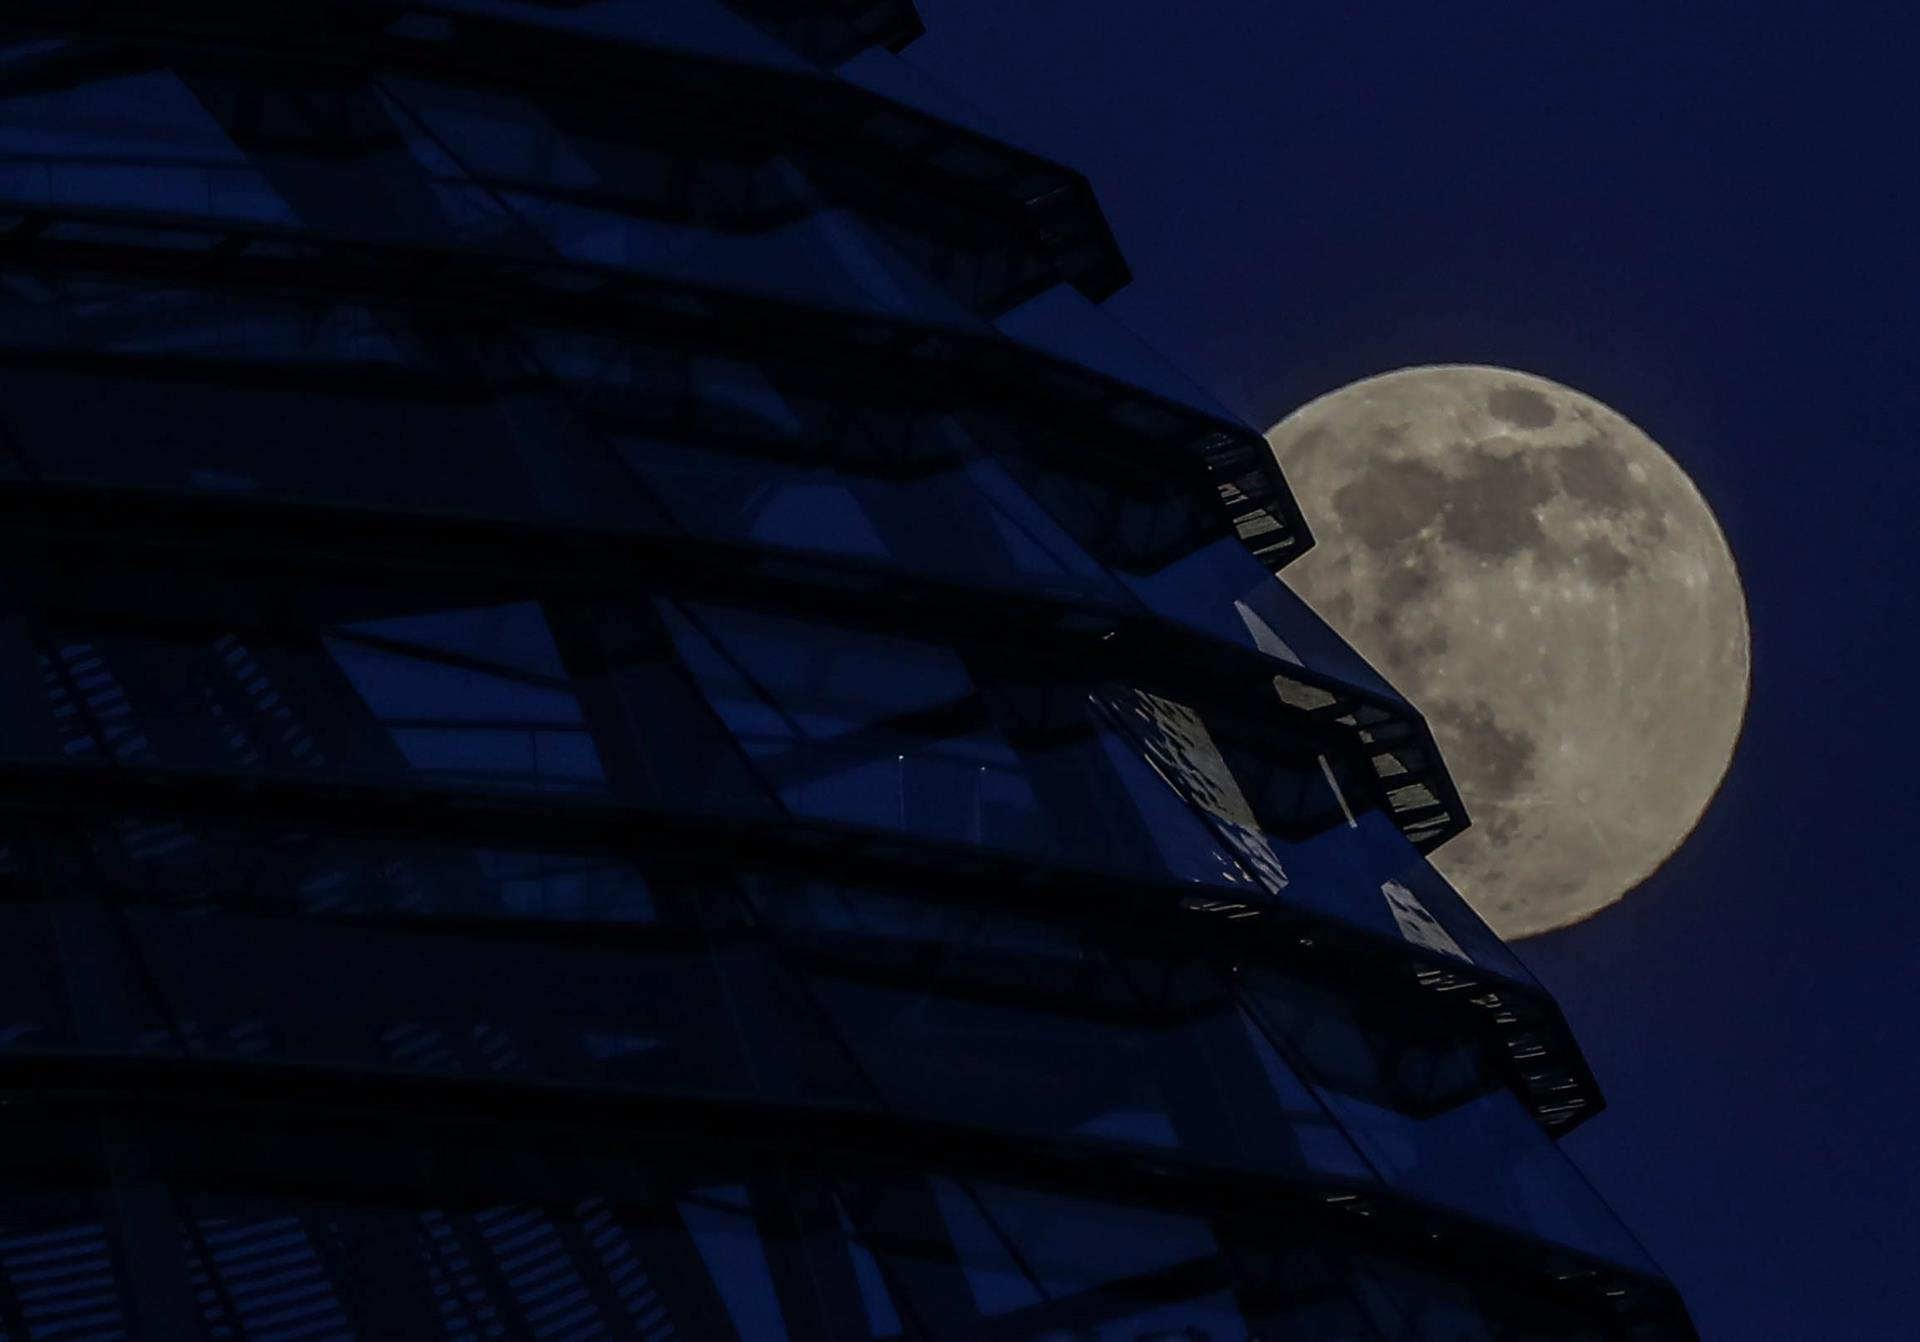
x=1710, y=221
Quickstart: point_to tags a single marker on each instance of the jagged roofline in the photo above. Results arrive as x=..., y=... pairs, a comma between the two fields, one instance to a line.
x=1386, y=739
x=1524, y=1037
x=317, y=266
x=89, y=527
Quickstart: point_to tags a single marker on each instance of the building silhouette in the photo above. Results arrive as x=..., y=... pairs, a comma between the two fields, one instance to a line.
x=628, y=716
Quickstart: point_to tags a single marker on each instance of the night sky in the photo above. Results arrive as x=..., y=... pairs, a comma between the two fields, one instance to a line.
x=1707, y=218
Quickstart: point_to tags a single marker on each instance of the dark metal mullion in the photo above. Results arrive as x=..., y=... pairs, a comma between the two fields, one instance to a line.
x=115, y=916
x=465, y=1228
x=679, y=1272
x=138, y=1212
x=819, y=1295
x=494, y=725
x=587, y=1266
x=934, y=1296
x=376, y=1286
x=800, y=983
x=216, y=1275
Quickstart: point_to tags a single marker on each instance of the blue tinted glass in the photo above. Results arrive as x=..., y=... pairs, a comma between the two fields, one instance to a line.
x=1369, y=876
x=1489, y=1158
x=832, y=260
x=1312, y=640
x=689, y=25
x=1069, y=1245
x=1063, y=323
x=723, y=1230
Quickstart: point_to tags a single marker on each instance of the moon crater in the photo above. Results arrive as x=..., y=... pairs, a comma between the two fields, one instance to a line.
x=1550, y=589
x=1522, y=407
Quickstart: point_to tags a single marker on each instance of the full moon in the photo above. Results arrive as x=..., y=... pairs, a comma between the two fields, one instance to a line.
x=1547, y=586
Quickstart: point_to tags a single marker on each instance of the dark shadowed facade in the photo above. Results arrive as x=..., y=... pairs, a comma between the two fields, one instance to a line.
x=627, y=716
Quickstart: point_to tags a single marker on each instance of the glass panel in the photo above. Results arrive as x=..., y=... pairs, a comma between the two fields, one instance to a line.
x=720, y=1222
x=1490, y=1159
x=1065, y=324
x=1312, y=640
x=138, y=141
x=966, y=520
x=1368, y=875
x=830, y=260
x=905, y=734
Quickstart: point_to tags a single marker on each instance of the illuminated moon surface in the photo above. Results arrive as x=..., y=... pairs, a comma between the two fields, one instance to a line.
x=1552, y=592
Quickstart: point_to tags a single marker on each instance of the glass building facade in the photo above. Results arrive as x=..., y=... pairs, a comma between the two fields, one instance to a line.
x=627, y=716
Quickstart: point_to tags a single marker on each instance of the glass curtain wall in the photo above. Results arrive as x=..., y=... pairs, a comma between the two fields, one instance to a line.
x=626, y=716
